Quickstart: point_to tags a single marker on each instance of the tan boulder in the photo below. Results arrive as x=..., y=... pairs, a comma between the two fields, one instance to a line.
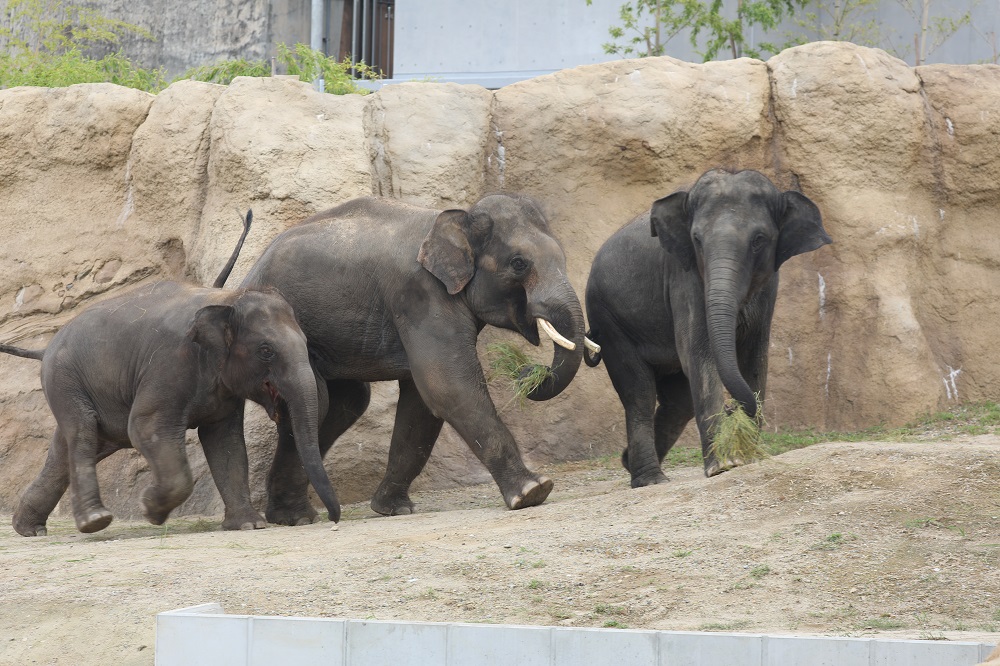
x=103, y=187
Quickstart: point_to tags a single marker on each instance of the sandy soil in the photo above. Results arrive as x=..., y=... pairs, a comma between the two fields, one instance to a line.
x=853, y=539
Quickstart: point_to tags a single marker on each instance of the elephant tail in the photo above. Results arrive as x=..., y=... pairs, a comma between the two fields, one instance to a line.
x=220, y=281
x=591, y=358
x=23, y=353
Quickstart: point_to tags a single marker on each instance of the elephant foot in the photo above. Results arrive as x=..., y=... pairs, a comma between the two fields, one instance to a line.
x=301, y=513
x=244, y=520
x=532, y=493
x=93, y=520
x=28, y=527
x=387, y=505
x=651, y=479
x=714, y=467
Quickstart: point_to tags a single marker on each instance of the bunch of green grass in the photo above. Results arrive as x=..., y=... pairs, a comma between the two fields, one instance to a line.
x=512, y=365
x=300, y=60
x=56, y=70
x=737, y=436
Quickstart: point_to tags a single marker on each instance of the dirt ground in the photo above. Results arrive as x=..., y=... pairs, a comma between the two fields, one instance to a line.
x=851, y=539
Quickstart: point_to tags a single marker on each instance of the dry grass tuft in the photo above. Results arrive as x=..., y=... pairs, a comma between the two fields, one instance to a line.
x=736, y=436
x=520, y=373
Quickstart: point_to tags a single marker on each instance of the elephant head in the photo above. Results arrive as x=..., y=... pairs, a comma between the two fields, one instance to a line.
x=260, y=352
x=500, y=257
x=735, y=230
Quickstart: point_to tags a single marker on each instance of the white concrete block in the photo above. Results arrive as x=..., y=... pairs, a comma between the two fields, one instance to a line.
x=200, y=639
x=678, y=648
x=595, y=647
x=297, y=640
x=924, y=653
x=816, y=651
x=493, y=645
x=375, y=643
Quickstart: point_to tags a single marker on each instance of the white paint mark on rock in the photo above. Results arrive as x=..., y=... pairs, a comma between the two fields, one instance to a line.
x=791, y=356
x=951, y=127
x=950, y=385
x=129, y=206
x=829, y=371
x=795, y=86
x=822, y=296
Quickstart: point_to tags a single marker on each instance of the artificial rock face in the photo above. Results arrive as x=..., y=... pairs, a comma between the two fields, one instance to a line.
x=103, y=187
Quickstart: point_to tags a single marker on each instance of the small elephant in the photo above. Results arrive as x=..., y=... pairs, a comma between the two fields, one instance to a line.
x=390, y=291
x=681, y=300
x=139, y=369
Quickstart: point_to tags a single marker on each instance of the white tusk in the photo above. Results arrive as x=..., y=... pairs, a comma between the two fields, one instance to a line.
x=591, y=345
x=551, y=331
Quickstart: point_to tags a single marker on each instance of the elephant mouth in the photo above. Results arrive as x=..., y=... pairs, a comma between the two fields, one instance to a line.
x=271, y=404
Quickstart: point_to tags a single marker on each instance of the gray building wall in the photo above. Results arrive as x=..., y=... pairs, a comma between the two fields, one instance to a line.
x=496, y=42
x=492, y=42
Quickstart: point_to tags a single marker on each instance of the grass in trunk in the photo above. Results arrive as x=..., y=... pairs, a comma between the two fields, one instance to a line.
x=736, y=436
x=515, y=369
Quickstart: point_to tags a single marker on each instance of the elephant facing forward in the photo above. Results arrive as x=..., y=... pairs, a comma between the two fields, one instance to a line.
x=681, y=301
x=389, y=291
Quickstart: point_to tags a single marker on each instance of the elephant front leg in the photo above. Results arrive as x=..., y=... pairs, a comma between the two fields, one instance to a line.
x=413, y=436
x=709, y=402
x=160, y=439
x=226, y=454
x=472, y=413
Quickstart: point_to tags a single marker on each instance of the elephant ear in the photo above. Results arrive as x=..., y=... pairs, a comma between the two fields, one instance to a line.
x=669, y=221
x=212, y=328
x=800, y=228
x=449, y=250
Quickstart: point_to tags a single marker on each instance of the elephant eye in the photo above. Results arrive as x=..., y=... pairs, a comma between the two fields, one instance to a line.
x=518, y=264
x=758, y=243
x=265, y=351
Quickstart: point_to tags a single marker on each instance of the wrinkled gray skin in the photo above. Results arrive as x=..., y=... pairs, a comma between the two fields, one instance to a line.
x=140, y=369
x=387, y=291
x=681, y=301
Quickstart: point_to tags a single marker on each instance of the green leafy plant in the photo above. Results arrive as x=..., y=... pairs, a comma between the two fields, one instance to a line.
x=648, y=25
x=47, y=42
x=636, y=36
x=299, y=60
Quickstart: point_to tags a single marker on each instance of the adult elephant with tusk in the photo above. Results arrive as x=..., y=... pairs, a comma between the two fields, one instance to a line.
x=389, y=291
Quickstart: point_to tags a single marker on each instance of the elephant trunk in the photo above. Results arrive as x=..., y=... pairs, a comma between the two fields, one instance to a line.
x=300, y=395
x=722, y=298
x=561, y=308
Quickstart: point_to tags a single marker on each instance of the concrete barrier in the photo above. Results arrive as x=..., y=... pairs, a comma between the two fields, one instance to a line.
x=206, y=635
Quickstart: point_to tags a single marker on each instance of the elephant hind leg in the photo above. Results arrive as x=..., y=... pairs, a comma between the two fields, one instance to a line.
x=41, y=497
x=78, y=430
x=342, y=402
x=413, y=436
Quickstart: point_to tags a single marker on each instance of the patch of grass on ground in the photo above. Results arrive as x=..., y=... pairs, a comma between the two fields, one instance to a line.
x=725, y=626
x=971, y=419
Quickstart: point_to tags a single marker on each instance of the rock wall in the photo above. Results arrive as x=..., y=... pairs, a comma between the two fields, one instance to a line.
x=103, y=187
